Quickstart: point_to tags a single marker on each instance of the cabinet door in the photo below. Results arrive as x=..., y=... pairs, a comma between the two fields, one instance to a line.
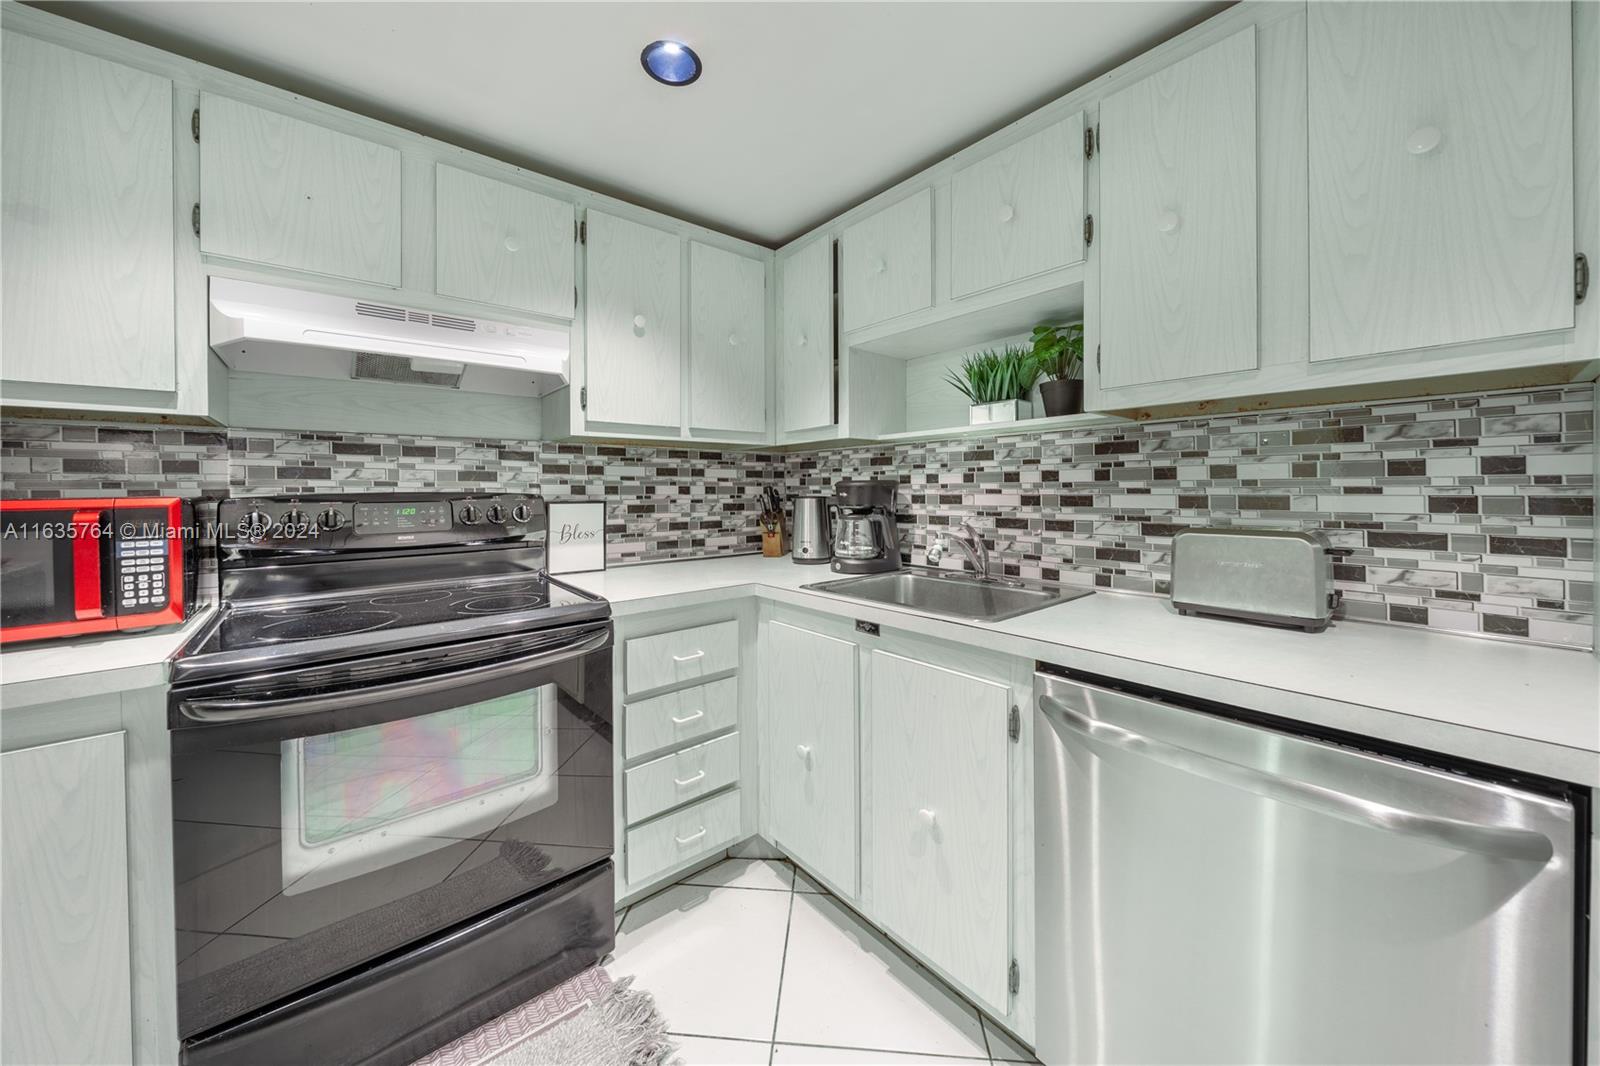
x=86, y=174
x=809, y=719
x=886, y=264
x=633, y=316
x=499, y=244
x=1020, y=211
x=1178, y=220
x=64, y=963
x=940, y=822
x=805, y=337
x=727, y=341
x=276, y=190
x=1441, y=173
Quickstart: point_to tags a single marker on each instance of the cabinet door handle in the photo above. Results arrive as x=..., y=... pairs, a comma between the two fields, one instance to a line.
x=804, y=751
x=691, y=657
x=512, y=244
x=1167, y=221
x=733, y=340
x=879, y=266
x=691, y=838
x=801, y=340
x=1007, y=213
x=1424, y=140
x=686, y=719
x=685, y=782
x=639, y=321
x=929, y=816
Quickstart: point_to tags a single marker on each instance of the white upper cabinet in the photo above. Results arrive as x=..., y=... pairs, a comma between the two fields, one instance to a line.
x=805, y=341
x=940, y=824
x=1441, y=164
x=86, y=177
x=727, y=341
x=497, y=243
x=809, y=722
x=288, y=193
x=886, y=264
x=633, y=314
x=1177, y=219
x=1020, y=211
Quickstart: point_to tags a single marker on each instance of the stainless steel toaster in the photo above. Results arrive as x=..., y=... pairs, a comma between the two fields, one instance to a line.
x=1265, y=575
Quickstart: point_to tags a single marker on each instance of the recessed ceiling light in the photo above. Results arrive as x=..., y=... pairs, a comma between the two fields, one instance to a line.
x=670, y=62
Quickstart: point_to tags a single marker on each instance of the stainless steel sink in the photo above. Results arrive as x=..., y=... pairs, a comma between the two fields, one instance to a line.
x=953, y=595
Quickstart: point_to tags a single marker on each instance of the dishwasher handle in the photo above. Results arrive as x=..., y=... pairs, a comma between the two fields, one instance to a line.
x=1502, y=842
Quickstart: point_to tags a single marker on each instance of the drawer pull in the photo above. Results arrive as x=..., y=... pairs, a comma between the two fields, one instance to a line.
x=929, y=816
x=685, y=782
x=691, y=657
x=686, y=719
x=691, y=838
x=804, y=751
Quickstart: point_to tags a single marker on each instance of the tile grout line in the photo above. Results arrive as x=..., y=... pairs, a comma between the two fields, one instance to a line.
x=783, y=963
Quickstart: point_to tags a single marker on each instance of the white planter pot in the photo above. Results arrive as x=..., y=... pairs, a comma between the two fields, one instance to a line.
x=1010, y=411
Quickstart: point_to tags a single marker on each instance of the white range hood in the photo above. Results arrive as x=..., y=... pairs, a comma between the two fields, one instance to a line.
x=275, y=330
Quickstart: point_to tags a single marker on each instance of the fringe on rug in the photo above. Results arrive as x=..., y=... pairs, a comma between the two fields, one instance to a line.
x=640, y=1029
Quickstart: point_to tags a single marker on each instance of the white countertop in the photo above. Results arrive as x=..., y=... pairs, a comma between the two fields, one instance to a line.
x=64, y=670
x=1523, y=706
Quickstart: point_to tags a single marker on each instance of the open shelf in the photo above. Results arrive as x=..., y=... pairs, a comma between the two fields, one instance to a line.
x=994, y=429
x=1015, y=308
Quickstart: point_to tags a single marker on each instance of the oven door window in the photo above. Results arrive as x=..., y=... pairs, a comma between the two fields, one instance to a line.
x=359, y=800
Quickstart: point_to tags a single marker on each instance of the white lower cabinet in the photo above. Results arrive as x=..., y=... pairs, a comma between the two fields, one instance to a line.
x=940, y=820
x=812, y=787
x=65, y=961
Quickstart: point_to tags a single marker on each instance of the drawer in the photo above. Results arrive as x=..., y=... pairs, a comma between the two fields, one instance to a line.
x=682, y=655
x=682, y=836
x=679, y=717
x=675, y=779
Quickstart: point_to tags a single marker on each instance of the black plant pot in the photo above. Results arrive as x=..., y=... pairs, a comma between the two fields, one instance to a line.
x=1062, y=396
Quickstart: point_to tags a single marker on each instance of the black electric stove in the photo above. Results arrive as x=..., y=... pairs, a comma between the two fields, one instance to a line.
x=392, y=788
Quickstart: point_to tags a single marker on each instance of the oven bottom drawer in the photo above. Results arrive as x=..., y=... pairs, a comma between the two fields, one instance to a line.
x=682, y=836
x=675, y=779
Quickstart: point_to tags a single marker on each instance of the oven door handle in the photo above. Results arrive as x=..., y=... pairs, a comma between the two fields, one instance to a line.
x=220, y=711
x=88, y=587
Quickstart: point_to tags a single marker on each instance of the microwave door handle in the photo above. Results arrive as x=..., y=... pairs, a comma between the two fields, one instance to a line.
x=1502, y=842
x=88, y=587
x=220, y=711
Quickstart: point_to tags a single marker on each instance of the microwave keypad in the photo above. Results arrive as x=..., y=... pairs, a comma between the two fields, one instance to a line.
x=142, y=574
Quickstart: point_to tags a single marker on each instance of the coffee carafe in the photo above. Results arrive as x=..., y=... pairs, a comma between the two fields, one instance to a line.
x=864, y=531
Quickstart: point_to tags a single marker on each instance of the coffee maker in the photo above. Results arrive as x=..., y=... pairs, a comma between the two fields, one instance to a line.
x=864, y=532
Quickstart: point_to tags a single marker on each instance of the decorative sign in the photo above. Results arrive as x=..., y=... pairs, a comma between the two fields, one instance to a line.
x=577, y=540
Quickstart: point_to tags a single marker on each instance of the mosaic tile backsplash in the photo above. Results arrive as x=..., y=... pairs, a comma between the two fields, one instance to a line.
x=1472, y=513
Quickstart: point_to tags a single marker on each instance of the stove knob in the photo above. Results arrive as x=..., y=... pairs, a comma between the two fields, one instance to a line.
x=470, y=514
x=331, y=519
x=522, y=513
x=296, y=524
x=496, y=513
x=255, y=526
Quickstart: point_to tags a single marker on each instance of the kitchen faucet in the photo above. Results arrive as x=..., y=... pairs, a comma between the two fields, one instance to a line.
x=969, y=542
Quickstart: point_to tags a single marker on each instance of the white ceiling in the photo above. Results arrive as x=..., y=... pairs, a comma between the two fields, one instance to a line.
x=804, y=109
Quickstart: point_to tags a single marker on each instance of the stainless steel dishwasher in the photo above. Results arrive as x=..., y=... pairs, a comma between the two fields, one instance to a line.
x=1212, y=890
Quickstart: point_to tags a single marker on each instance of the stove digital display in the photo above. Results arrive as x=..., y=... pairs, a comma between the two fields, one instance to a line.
x=401, y=517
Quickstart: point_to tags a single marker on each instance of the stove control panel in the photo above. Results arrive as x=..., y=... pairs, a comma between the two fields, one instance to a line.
x=378, y=520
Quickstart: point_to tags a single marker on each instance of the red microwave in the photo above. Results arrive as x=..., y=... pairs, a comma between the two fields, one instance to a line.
x=72, y=567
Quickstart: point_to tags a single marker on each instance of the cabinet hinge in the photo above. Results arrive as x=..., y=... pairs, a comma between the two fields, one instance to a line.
x=194, y=124
x=583, y=397
x=1015, y=977
x=194, y=219
x=580, y=231
x=1580, y=276
x=1097, y=359
x=1088, y=230
x=1088, y=142
x=1014, y=724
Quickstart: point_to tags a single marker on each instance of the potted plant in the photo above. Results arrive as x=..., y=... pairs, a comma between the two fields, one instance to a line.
x=1058, y=352
x=996, y=384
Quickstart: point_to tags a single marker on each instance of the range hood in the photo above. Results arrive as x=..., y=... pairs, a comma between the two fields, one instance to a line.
x=275, y=330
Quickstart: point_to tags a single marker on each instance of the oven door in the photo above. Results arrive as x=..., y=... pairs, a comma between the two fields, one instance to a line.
x=327, y=817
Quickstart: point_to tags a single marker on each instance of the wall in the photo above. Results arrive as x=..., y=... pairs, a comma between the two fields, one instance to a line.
x=1472, y=513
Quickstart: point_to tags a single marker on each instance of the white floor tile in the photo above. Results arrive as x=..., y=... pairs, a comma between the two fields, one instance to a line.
x=803, y=1055
x=746, y=873
x=845, y=986
x=710, y=956
x=1002, y=1048
x=712, y=1051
